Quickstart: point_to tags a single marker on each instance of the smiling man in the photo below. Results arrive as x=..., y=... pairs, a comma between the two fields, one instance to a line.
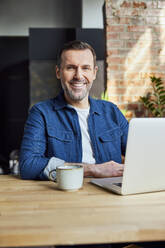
x=73, y=127
x=77, y=72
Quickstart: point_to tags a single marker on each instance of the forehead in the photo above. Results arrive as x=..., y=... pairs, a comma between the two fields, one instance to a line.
x=77, y=57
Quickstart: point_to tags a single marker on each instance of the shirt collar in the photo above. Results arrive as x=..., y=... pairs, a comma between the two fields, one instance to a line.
x=60, y=103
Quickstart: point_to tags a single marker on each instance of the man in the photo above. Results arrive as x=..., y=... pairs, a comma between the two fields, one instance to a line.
x=73, y=127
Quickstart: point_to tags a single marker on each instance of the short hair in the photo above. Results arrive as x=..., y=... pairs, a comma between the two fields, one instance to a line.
x=75, y=45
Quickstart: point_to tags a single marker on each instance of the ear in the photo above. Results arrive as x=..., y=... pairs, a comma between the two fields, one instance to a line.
x=58, y=72
x=95, y=71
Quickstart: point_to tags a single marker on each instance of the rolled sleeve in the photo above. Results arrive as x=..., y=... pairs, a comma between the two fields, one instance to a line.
x=52, y=164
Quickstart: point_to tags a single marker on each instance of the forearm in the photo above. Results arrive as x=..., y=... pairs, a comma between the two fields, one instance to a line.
x=108, y=169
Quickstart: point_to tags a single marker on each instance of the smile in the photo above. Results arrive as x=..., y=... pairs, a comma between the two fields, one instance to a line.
x=77, y=85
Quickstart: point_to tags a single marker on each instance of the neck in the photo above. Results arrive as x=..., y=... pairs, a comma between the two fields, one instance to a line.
x=83, y=104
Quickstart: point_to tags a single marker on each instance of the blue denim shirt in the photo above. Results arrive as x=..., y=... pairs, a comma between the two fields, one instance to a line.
x=52, y=130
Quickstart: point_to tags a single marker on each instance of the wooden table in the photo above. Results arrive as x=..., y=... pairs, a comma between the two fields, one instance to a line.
x=35, y=213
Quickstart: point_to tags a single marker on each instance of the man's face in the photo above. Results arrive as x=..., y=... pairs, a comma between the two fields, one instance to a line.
x=77, y=72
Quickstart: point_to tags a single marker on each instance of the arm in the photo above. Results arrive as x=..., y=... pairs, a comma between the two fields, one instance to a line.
x=111, y=168
x=33, y=161
x=107, y=169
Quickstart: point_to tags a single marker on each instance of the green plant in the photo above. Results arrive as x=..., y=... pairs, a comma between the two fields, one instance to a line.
x=155, y=101
x=104, y=96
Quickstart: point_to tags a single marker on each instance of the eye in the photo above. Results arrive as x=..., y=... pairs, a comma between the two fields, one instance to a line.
x=70, y=67
x=86, y=68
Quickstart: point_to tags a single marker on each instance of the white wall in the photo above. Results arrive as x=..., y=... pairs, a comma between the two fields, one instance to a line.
x=92, y=13
x=16, y=16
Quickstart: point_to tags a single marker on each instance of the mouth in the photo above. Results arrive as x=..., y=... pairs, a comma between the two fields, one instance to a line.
x=77, y=85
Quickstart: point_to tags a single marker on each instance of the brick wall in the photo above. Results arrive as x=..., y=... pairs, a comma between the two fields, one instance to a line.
x=135, y=49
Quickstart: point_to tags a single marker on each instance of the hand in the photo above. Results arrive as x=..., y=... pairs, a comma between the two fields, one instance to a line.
x=108, y=169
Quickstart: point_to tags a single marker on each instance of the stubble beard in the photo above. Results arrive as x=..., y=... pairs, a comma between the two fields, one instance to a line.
x=74, y=97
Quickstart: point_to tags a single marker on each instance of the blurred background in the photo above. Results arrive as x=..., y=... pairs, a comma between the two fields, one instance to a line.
x=31, y=32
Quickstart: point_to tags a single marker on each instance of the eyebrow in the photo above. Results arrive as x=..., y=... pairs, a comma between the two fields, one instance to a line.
x=81, y=65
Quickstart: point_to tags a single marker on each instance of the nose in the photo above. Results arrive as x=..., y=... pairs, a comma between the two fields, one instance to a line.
x=78, y=73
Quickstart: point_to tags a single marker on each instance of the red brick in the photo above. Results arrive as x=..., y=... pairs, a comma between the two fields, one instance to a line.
x=114, y=75
x=122, y=67
x=113, y=82
x=139, y=5
x=156, y=28
x=155, y=51
x=135, y=98
x=122, y=106
x=124, y=83
x=126, y=4
x=127, y=12
x=136, y=28
x=112, y=36
x=113, y=20
x=117, y=20
x=123, y=52
x=130, y=44
x=133, y=106
x=112, y=52
x=161, y=67
x=137, y=20
x=116, y=91
x=126, y=35
x=115, y=60
x=137, y=91
x=126, y=98
x=147, y=54
x=112, y=68
x=124, y=20
x=114, y=99
x=115, y=28
x=132, y=82
x=131, y=75
x=137, y=35
x=161, y=75
x=115, y=44
x=155, y=68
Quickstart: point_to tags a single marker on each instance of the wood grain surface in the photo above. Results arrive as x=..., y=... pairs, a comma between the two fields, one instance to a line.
x=36, y=213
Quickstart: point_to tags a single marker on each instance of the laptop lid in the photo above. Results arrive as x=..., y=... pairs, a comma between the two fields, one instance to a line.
x=144, y=169
x=145, y=156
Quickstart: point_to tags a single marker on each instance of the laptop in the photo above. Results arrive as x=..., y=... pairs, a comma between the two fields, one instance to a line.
x=144, y=169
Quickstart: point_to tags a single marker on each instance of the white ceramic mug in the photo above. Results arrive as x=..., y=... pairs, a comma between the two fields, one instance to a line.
x=68, y=177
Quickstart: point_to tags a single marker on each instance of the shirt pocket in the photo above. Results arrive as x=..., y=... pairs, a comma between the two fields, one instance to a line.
x=110, y=144
x=59, y=143
x=110, y=135
x=63, y=136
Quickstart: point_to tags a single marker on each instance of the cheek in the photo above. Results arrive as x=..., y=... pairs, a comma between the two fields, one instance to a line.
x=67, y=76
x=90, y=77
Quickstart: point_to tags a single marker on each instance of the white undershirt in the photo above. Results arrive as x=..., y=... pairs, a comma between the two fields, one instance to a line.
x=87, y=152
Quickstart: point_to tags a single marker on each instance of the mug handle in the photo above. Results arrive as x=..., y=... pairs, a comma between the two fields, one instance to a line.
x=50, y=175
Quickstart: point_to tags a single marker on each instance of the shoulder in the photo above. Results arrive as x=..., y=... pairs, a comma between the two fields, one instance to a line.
x=43, y=105
x=108, y=111
x=103, y=106
x=41, y=109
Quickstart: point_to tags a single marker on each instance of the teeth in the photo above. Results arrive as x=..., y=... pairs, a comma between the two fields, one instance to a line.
x=78, y=85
